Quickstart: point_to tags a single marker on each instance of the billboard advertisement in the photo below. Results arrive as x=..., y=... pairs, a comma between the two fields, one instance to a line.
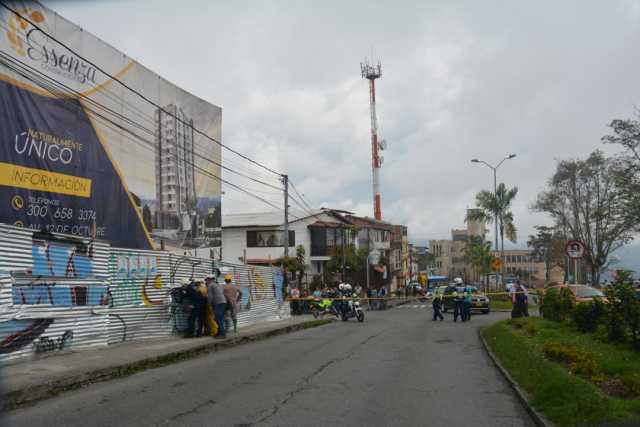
x=94, y=144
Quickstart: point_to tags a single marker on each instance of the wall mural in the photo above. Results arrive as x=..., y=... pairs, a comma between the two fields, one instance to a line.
x=58, y=302
x=136, y=277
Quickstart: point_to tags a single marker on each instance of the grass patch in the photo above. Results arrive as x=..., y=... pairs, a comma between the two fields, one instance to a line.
x=574, y=379
x=506, y=305
x=500, y=305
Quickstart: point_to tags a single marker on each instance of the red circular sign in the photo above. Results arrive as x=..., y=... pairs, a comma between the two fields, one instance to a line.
x=575, y=249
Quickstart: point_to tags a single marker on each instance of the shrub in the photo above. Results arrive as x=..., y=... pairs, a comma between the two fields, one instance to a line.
x=623, y=310
x=587, y=316
x=580, y=362
x=632, y=382
x=557, y=304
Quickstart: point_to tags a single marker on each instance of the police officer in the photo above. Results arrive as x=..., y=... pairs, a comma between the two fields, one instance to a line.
x=437, y=306
x=466, y=305
x=457, y=300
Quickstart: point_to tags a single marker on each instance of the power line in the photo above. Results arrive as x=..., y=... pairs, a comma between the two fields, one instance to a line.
x=300, y=196
x=124, y=118
x=98, y=68
x=149, y=144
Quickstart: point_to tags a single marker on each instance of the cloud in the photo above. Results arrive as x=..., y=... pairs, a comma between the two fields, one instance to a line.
x=460, y=80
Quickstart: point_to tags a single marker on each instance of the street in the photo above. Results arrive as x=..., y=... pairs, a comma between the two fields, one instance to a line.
x=398, y=368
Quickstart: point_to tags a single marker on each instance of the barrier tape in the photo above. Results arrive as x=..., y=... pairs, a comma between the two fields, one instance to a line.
x=312, y=298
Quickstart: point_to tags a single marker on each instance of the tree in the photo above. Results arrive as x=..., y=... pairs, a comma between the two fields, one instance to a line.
x=548, y=245
x=626, y=133
x=295, y=264
x=355, y=260
x=477, y=253
x=584, y=198
x=496, y=208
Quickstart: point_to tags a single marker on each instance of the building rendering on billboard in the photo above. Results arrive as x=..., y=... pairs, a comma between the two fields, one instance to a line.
x=94, y=144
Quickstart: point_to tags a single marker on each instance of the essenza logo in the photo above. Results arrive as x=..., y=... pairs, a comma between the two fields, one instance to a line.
x=17, y=27
x=29, y=41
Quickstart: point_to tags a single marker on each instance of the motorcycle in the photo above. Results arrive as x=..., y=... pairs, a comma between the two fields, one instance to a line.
x=351, y=308
x=321, y=307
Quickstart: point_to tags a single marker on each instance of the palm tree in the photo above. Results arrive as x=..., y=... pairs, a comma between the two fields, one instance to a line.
x=496, y=207
x=477, y=252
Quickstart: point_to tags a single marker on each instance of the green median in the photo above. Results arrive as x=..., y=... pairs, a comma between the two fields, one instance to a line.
x=497, y=304
x=573, y=378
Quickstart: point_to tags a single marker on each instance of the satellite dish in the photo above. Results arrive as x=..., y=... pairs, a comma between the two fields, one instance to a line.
x=381, y=160
x=383, y=144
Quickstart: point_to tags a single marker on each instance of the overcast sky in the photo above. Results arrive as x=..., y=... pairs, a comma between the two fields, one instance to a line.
x=461, y=79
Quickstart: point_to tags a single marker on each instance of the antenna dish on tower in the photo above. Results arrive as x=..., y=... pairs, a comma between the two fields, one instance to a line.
x=383, y=144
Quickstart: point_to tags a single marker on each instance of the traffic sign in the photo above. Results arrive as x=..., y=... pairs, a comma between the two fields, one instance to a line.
x=575, y=249
x=496, y=264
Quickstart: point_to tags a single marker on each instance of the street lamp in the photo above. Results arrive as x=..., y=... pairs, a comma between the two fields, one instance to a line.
x=495, y=185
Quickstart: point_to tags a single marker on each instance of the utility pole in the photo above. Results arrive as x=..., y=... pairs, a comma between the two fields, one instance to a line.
x=367, y=261
x=343, y=255
x=285, y=181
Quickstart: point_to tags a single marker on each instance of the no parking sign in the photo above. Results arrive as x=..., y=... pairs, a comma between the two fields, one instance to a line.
x=575, y=249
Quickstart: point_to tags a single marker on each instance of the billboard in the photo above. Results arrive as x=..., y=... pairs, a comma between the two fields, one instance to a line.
x=94, y=144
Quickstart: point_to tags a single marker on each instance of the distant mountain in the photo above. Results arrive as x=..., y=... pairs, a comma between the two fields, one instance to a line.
x=628, y=258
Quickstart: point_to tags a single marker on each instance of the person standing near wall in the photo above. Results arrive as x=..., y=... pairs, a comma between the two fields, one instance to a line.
x=197, y=315
x=218, y=303
x=233, y=295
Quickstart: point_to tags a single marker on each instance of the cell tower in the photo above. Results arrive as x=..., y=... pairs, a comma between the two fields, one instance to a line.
x=371, y=73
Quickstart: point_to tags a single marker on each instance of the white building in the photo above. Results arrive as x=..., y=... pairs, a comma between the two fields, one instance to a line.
x=259, y=237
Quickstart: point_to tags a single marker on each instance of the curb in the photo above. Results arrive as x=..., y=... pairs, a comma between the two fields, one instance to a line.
x=522, y=395
x=30, y=395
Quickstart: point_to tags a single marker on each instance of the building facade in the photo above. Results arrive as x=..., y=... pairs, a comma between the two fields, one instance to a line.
x=449, y=253
x=522, y=264
x=257, y=239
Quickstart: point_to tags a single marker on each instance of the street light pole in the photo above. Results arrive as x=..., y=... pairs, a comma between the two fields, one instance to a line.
x=495, y=189
x=495, y=186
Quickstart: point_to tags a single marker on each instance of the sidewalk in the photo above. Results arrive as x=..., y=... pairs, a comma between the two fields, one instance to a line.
x=31, y=380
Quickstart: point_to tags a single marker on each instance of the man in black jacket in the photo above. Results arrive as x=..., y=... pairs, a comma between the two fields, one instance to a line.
x=199, y=311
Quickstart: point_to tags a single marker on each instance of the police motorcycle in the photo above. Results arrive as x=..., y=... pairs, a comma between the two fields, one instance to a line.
x=323, y=306
x=349, y=307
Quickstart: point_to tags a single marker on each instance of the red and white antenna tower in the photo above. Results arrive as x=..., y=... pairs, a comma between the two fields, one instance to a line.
x=371, y=73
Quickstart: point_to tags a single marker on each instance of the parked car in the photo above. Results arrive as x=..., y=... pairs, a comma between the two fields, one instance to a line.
x=479, y=301
x=581, y=293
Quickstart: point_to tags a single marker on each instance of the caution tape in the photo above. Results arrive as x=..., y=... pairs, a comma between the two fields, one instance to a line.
x=345, y=298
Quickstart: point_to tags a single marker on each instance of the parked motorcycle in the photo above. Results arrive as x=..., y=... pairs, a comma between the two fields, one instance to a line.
x=351, y=308
x=321, y=307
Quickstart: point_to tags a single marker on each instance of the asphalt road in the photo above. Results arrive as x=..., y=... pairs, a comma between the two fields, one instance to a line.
x=398, y=368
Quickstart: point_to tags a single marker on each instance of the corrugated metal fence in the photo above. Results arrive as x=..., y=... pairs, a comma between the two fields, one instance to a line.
x=59, y=292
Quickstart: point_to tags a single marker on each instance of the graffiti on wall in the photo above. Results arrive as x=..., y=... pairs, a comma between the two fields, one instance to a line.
x=16, y=334
x=61, y=260
x=47, y=344
x=59, y=294
x=135, y=277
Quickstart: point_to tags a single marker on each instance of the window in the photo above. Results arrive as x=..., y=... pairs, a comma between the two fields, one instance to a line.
x=269, y=238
